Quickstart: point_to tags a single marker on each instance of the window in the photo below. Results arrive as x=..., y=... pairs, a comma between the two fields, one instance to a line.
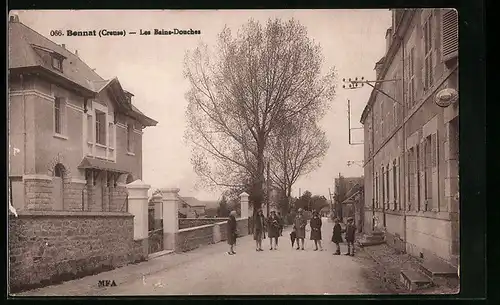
x=90, y=131
x=411, y=81
x=417, y=172
x=395, y=184
x=58, y=115
x=449, y=34
x=383, y=187
x=428, y=50
x=57, y=63
x=376, y=191
x=111, y=133
x=428, y=173
x=100, y=127
x=387, y=172
x=411, y=178
x=130, y=142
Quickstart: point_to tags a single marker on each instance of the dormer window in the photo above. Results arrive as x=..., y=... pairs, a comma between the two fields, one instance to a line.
x=57, y=63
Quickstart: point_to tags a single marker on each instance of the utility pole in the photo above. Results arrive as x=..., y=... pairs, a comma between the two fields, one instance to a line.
x=331, y=200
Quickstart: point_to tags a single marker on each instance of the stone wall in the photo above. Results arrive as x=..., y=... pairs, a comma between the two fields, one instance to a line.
x=428, y=235
x=192, y=238
x=73, y=199
x=38, y=193
x=48, y=247
x=242, y=226
x=196, y=222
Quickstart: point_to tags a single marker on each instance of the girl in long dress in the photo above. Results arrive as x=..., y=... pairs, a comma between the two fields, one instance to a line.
x=231, y=232
x=274, y=230
x=300, y=228
x=315, y=223
x=259, y=230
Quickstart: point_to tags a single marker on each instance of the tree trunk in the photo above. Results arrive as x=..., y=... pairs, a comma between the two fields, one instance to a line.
x=257, y=192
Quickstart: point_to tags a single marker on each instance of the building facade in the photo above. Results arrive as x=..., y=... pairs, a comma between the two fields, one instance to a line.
x=411, y=137
x=347, y=194
x=75, y=139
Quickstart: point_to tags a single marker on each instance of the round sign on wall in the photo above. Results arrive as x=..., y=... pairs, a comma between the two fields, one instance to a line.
x=446, y=97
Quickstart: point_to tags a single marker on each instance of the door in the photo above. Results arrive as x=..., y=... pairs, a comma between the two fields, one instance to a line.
x=98, y=192
x=58, y=188
x=57, y=194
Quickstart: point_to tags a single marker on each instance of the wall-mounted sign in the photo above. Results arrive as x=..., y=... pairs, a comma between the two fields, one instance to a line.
x=446, y=97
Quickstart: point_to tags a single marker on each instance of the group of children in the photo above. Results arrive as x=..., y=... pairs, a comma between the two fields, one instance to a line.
x=298, y=233
x=350, y=235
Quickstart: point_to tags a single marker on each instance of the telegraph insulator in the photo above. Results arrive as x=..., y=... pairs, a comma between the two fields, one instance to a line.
x=356, y=79
x=343, y=86
x=350, y=85
x=362, y=78
x=362, y=84
x=343, y=79
x=349, y=79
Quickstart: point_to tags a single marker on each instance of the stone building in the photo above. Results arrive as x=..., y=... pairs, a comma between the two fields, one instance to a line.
x=347, y=194
x=75, y=138
x=411, y=136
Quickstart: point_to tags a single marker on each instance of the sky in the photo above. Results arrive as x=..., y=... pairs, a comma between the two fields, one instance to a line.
x=151, y=67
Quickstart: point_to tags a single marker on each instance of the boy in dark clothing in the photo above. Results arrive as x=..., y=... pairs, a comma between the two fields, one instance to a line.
x=350, y=234
x=337, y=236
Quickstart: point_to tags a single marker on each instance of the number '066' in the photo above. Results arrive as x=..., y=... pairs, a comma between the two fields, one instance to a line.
x=56, y=33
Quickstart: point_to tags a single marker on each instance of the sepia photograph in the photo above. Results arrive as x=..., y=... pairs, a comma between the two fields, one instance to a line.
x=233, y=152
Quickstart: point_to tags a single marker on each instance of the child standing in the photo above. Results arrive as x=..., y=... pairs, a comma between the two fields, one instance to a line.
x=337, y=235
x=350, y=234
x=315, y=224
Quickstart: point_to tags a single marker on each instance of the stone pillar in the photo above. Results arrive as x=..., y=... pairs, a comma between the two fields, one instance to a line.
x=157, y=200
x=138, y=206
x=38, y=190
x=217, y=233
x=170, y=211
x=244, y=205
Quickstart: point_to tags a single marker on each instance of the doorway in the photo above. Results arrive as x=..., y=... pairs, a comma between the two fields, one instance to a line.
x=58, y=187
x=99, y=183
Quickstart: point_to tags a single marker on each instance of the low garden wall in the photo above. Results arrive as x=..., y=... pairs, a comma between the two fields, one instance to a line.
x=48, y=247
x=191, y=238
x=196, y=222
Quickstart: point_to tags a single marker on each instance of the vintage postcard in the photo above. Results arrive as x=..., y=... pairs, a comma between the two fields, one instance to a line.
x=233, y=152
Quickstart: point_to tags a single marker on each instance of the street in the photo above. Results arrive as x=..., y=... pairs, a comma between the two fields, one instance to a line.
x=211, y=271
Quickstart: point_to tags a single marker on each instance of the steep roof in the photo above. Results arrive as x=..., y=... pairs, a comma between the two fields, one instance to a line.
x=27, y=48
x=23, y=43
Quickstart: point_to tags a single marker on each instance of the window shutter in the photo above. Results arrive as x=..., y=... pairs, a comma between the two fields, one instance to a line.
x=434, y=150
x=449, y=35
x=64, y=103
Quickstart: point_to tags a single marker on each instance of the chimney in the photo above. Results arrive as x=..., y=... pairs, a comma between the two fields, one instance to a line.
x=76, y=52
x=63, y=45
x=388, y=39
x=14, y=18
x=378, y=67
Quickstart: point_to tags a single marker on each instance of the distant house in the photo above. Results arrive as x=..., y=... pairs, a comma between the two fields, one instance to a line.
x=199, y=210
x=349, y=186
x=353, y=205
x=191, y=207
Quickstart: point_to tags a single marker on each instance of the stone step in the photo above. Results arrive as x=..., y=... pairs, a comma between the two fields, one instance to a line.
x=435, y=269
x=367, y=243
x=377, y=233
x=374, y=238
x=414, y=280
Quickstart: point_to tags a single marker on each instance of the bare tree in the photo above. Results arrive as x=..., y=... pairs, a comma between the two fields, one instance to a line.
x=239, y=92
x=297, y=149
